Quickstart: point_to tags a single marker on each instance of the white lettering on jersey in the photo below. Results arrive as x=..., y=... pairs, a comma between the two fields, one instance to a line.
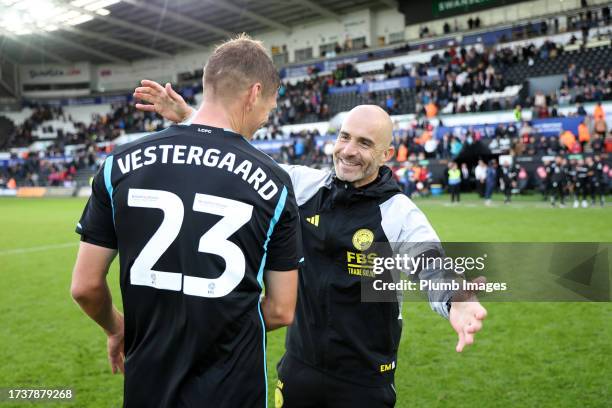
x=136, y=164
x=179, y=152
x=124, y=164
x=165, y=149
x=244, y=168
x=196, y=155
x=257, y=177
x=228, y=161
x=211, y=161
x=268, y=190
x=152, y=157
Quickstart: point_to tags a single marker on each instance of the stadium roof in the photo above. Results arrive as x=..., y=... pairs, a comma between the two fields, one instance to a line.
x=137, y=29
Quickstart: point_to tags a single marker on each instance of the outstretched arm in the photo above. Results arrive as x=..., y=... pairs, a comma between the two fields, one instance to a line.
x=418, y=239
x=164, y=101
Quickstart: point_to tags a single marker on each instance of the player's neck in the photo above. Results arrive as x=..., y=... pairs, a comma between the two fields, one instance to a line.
x=211, y=114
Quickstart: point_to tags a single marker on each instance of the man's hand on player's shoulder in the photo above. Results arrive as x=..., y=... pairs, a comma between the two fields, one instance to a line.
x=164, y=101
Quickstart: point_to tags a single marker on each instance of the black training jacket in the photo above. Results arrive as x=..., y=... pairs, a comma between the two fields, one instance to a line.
x=334, y=331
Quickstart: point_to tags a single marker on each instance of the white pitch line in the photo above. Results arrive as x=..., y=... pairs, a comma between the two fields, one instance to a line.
x=37, y=248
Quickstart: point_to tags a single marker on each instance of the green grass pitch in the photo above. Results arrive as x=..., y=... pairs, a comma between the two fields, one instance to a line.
x=528, y=354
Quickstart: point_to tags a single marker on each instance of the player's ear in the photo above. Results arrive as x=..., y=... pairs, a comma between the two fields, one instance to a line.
x=255, y=93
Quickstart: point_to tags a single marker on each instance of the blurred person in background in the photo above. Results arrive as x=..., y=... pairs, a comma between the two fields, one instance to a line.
x=522, y=179
x=508, y=179
x=557, y=176
x=465, y=178
x=480, y=173
x=454, y=182
x=584, y=136
x=491, y=181
x=596, y=179
x=582, y=184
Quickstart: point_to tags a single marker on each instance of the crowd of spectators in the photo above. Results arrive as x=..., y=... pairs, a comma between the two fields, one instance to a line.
x=459, y=72
x=444, y=79
x=49, y=167
x=415, y=144
x=347, y=46
x=577, y=87
x=583, y=20
x=587, y=86
x=417, y=141
x=462, y=72
x=123, y=118
x=302, y=102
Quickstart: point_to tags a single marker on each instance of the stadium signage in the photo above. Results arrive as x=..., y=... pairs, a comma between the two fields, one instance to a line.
x=49, y=72
x=454, y=6
x=120, y=77
x=542, y=127
x=8, y=192
x=53, y=74
x=31, y=192
x=403, y=82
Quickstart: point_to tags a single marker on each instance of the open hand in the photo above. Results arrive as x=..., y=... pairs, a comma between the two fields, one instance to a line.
x=466, y=317
x=164, y=101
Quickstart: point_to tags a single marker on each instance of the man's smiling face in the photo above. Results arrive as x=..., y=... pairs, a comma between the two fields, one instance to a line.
x=363, y=145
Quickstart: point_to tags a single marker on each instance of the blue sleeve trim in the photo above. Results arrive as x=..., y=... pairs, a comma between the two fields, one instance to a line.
x=277, y=213
x=108, y=168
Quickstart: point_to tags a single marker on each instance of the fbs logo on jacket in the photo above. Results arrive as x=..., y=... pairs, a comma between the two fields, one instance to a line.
x=314, y=220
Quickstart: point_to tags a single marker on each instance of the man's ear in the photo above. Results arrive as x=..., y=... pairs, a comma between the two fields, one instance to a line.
x=255, y=92
x=389, y=153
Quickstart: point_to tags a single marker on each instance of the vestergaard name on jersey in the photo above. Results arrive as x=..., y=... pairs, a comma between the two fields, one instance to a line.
x=196, y=155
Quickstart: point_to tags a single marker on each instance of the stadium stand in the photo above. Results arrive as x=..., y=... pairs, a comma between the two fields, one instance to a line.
x=469, y=69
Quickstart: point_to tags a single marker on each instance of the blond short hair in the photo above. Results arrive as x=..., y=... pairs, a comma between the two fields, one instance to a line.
x=237, y=64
